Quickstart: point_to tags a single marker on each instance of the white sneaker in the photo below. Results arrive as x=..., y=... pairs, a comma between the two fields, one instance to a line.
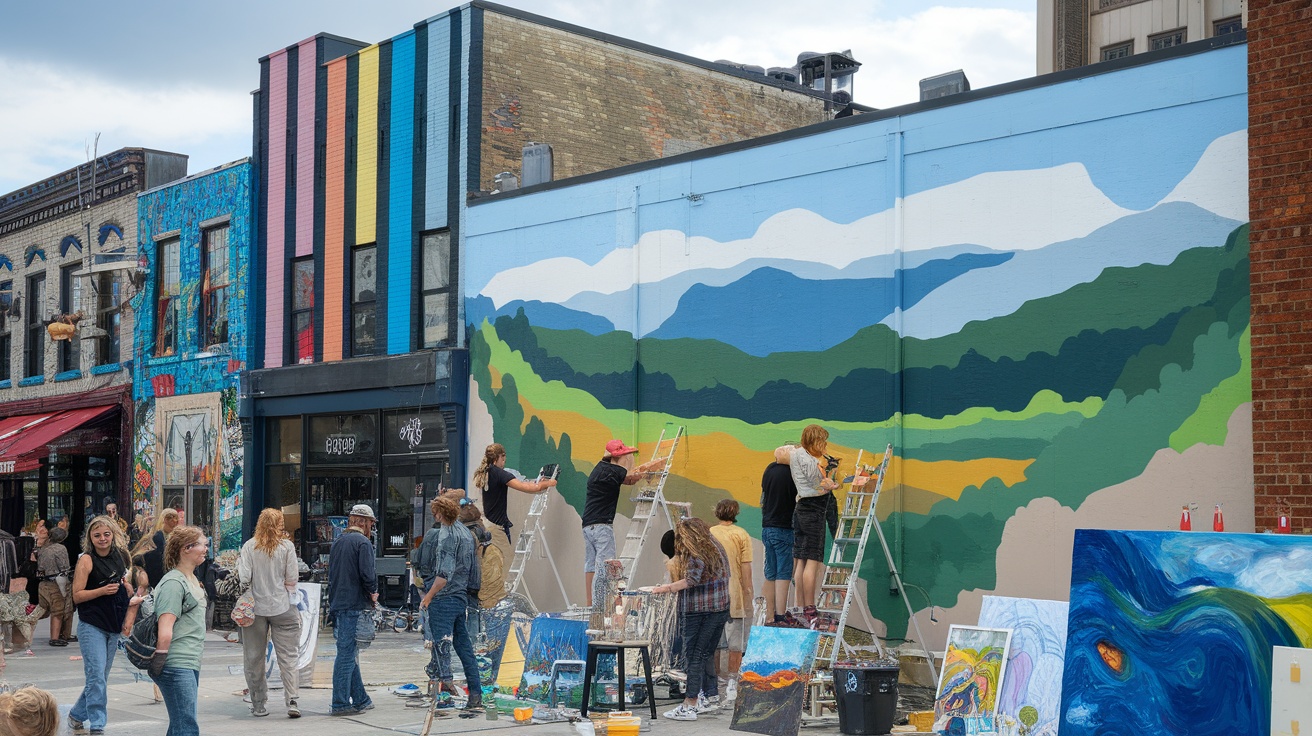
x=731, y=689
x=682, y=713
x=708, y=705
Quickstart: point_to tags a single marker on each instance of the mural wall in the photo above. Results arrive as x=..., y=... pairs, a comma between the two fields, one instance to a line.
x=1039, y=298
x=191, y=342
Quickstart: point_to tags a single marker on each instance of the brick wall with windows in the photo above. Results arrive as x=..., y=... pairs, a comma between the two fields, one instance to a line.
x=1280, y=178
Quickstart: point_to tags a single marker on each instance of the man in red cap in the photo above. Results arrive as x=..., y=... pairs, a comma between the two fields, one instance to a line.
x=615, y=469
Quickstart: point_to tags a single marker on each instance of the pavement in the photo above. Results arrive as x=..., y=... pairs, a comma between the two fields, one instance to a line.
x=393, y=659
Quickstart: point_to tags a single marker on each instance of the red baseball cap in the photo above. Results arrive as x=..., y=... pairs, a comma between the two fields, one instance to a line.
x=616, y=448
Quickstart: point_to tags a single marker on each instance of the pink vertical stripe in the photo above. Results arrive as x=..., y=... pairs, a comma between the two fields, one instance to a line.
x=306, y=67
x=276, y=185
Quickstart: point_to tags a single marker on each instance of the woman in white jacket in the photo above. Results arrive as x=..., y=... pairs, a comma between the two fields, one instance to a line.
x=268, y=565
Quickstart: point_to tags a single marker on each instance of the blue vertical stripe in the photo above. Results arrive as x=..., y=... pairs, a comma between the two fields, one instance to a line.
x=400, y=232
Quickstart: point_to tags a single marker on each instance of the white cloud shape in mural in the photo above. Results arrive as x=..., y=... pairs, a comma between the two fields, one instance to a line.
x=1278, y=575
x=1216, y=181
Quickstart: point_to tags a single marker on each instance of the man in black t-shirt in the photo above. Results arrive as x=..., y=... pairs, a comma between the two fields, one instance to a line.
x=778, y=498
x=615, y=470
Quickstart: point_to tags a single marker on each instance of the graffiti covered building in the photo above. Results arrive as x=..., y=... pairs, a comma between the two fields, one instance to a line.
x=68, y=267
x=1038, y=293
x=191, y=344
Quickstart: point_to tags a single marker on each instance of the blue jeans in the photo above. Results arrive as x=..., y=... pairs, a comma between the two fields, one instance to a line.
x=179, y=686
x=778, y=545
x=348, y=686
x=446, y=615
x=473, y=618
x=98, y=649
x=701, y=635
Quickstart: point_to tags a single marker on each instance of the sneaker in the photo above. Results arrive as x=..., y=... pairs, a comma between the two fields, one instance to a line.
x=366, y=706
x=259, y=711
x=76, y=725
x=293, y=711
x=682, y=713
x=707, y=705
x=344, y=712
x=731, y=689
x=72, y=638
x=809, y=614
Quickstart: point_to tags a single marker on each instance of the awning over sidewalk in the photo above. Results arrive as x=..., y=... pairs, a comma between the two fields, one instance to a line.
x=24, y=438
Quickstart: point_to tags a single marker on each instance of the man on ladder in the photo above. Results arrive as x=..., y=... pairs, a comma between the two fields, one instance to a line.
x=615, y=470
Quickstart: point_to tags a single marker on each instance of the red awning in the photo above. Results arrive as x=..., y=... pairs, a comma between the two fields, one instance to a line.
x=23, y=438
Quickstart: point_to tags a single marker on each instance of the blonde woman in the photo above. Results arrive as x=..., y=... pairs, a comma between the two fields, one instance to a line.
x=103, y=594
x=494, y=482
x=180, y=608
x=30, y=711
x=814, y=494
x=268, y=566
x=152, y=554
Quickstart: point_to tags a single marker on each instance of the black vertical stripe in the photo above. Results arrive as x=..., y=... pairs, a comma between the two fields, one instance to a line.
x=289, y=209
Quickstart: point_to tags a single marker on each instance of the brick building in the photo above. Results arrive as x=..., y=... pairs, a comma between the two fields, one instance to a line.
x=365, y=156
x=1280, y=176
x=68, y=256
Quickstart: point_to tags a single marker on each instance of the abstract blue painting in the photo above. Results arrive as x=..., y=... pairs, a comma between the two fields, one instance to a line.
x=1172, y=632
x=1031, y=689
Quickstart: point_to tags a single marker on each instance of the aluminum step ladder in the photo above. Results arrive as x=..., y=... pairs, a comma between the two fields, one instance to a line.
x=528, y=539
x=842, y=571
x=651, y=501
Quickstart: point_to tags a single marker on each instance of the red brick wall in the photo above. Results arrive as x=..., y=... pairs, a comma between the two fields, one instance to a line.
x=1280, y=178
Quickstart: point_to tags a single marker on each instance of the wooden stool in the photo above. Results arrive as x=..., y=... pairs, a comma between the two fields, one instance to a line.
x=617, y=648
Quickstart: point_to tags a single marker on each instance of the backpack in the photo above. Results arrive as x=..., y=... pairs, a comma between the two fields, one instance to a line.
x=141, y=644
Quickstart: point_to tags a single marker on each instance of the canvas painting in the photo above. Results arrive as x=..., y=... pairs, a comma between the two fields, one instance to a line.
x=549, y=640
x=969, y=684
x=1172, y=632
x=773, y=682
x=1030, y=699
x=1291, y=695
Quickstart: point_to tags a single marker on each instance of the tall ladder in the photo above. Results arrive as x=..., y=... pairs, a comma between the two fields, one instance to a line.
x=838, y=586
x=524, y=550
x=650, y=499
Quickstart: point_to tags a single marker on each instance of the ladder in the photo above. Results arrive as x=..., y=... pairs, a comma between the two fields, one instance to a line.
x=524, y=550
x=842, y=572
x=650, y=498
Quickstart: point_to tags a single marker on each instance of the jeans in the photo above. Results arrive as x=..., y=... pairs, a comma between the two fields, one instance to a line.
x=179, y=686
x=348, y=686
x=778, y=553
x=98, y=649
x=285, y=629
x=473, y=619
x=447, y=617
x=701, y=635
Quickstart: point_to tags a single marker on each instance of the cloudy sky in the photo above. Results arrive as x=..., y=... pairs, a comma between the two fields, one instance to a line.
x=178, y=75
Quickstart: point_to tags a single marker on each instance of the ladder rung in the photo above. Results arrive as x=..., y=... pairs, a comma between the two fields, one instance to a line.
x=847, y=540
x=843, y=565
x=833, y=586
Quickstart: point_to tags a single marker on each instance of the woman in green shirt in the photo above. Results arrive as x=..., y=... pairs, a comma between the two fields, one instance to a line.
x=180, y=607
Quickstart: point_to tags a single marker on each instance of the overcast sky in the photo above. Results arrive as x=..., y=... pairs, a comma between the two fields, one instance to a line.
x=177, y=76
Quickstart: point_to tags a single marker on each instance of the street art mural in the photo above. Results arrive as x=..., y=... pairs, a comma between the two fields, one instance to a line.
x=1040, y=298
x=210, y=216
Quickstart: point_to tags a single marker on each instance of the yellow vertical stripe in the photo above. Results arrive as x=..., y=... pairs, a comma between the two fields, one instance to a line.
x=366, y=174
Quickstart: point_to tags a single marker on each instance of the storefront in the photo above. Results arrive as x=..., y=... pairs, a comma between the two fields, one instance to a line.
x=390, y=442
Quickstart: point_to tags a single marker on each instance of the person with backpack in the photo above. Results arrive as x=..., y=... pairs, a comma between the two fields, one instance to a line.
x=102, y=593
x=180, y=615
x=268, y=567
x=51, y=568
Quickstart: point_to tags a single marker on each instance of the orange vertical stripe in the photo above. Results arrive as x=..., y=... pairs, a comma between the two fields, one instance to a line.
x=334, y=290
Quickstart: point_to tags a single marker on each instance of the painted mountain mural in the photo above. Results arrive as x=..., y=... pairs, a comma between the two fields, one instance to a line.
x=1041, y=303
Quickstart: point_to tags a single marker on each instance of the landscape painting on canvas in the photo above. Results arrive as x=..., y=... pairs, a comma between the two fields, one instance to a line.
x=1031, y=693
x=1172, y=632
x=973, y=667
x=773, y=682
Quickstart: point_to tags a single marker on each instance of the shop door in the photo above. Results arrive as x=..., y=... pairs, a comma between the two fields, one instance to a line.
x=331, y=494
x=408, y=488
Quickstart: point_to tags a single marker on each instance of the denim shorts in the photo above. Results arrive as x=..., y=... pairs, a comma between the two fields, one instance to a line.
x=778, y=545
x=598, y=545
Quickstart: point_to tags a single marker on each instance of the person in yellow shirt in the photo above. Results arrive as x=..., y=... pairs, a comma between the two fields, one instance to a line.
x=737, y=545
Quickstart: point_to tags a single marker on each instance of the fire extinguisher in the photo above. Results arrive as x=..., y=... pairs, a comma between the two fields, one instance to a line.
x=1186, y=524
x=1218, y=520
x=1282, y=523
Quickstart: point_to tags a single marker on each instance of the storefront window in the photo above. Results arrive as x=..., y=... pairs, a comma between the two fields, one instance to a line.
x=284, y=439
x=409, y=432
x=344, y=439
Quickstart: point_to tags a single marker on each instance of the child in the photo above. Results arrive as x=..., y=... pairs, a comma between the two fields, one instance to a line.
x=29, y=712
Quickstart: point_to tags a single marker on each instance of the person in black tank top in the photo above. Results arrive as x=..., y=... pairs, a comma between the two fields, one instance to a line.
x=103, y=596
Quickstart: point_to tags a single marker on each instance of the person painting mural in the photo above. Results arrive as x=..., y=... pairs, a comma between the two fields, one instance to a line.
x=615, y=469
x=814, y=496
x=494, y=482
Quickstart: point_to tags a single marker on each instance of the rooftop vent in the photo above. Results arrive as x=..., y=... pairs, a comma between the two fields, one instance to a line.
x=952, y=83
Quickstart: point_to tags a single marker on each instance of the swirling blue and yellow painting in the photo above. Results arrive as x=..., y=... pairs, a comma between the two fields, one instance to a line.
x=1171, y=632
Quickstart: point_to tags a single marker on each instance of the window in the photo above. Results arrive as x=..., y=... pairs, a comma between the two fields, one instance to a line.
x=1233, y=24
x=109, y=302
x=215, y=276
x=70, y=300
x=1166, y=40
x=303, y=310
x=36, y=329
x=364, y=300
x=168, y=297
x=1117, y=51
x=435, y=290
x=6, y=342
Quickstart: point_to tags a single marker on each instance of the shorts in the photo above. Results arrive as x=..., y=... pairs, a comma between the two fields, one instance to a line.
x=809, y=528
x=778, y=553
x=734, y=637
x=50, y=598
x=598, y=546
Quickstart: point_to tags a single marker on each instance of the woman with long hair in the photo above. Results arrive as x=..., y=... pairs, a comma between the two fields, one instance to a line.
x=494, y=481
x=702, y=574
x=103, y=593
x=180, y=608
x=268, y=566
x=151, y=549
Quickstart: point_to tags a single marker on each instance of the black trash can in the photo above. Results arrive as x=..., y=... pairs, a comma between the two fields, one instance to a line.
x=867, y=698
